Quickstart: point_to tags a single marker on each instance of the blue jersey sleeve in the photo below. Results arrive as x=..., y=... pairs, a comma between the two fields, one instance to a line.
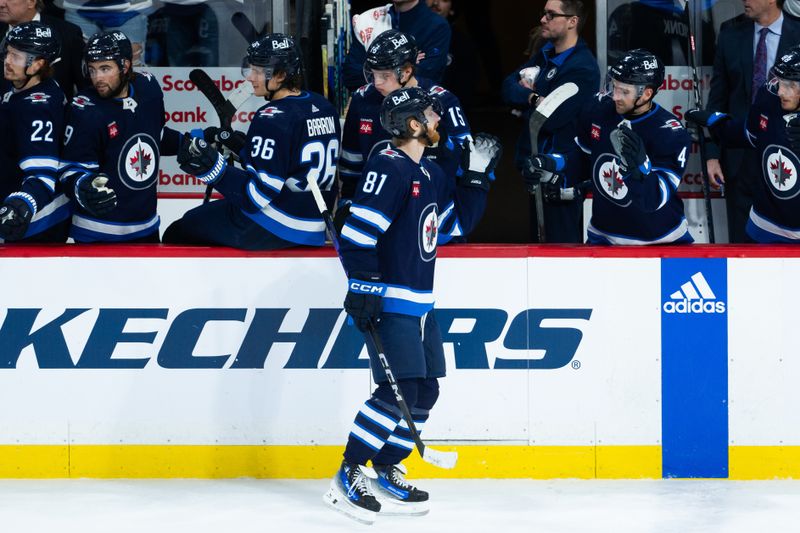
x=83, y=142
x=352, y=161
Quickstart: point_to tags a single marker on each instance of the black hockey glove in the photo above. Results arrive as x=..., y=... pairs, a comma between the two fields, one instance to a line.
x=478, y=161
x=198, y=158
x=15, y=217
x=93, y=195
x=542, y=169
x=342, y=211
x=706, y=119
x=233, y=140
x=630, y=150
x=793, y=133
x=364, y=300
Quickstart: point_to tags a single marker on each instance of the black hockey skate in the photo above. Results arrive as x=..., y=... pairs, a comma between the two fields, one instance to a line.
x=396, y=495
x=350, y=493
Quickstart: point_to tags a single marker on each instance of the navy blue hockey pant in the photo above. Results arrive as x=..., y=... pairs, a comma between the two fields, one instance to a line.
x=413, y=348
x=222, y=223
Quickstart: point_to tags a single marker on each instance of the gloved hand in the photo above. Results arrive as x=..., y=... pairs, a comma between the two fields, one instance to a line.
x=630, y=150
x=707, y=119
x=231, y=139
x=478, y=161
x=542, y=168
x=364, y=300
x=15, y=217
x=342, y=211
x=93, y=195
x=197, y=157
x=793, y=133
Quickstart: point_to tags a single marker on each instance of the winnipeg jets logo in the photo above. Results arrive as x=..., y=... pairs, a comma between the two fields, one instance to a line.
x=138, y=162
x=81, y=102
x=428, y=232
x=608, y=179
x=389, y=152
x=129, y=104
x=269, y=112
x=436, y=90
x=781, y=171
x=38, y=97
x=551, y=73
x=672, y=124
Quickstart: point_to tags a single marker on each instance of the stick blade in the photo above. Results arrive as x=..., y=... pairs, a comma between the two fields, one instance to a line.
x=439, y=458
x=557, y=97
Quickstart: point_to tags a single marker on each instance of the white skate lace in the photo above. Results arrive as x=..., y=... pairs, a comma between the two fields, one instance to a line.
x=359, y=484
x=396, y=477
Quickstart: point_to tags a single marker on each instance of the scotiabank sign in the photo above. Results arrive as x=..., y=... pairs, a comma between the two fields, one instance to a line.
x=185, y=109
x=180, y=332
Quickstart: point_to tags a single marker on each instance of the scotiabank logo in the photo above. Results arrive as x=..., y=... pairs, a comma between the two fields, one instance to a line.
x=695, y=296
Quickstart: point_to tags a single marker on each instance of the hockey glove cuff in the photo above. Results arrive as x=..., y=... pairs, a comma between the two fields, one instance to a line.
x=93, y=195
x=15, y=216
x=198, y=158
x=233, y=140
x=707, y=119
x=364, y=300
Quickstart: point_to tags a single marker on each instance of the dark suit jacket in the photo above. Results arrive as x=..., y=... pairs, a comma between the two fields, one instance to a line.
x=731, y=84
x=68, y=71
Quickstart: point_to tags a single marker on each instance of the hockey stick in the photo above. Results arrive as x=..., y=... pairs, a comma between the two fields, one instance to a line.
x=429, y=455
x=245, y=27
x=225, y=109
x=538, y=117
x=701, y=137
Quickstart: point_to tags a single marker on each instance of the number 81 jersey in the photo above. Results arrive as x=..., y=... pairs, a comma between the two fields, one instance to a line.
x=289, y=141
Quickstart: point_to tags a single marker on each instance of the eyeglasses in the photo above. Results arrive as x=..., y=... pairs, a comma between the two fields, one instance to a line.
x=550, y=15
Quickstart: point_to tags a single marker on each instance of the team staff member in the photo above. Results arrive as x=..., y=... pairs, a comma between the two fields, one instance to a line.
x=32, y=115
x=112, y=146
x=403, y=204
x=564, y=58
x=635, y=152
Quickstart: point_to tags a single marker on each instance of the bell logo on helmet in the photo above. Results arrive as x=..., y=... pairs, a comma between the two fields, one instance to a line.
x=281, y=45
x=119, y=36
x=650, y=65
x=43, y=32
x=400, y=98
x=400, y=41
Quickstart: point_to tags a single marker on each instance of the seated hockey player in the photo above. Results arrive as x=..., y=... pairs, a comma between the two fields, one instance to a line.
x=403, y=207
x=772, y=127
x=112, y=145
x=267, y=204
x=635, y=152
x=391, y=65
x=32, y=118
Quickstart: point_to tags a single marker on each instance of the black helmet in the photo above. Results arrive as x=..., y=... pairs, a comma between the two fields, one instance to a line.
x=403, y=104
x=639, y=67
x=391, y=49
x=786, y=68
x=108, y=46
x=274, y=51
x=35, y=39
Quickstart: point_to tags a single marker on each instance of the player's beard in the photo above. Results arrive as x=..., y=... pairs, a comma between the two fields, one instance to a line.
x=115, y=91
x=430, y=136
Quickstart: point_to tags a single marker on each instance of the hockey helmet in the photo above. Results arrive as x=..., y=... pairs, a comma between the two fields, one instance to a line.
x=108, y=46
x=786, y=69
x=35, y=39
x=275, y=52
x=391, y=49
x=640, y=68
x=403, y=104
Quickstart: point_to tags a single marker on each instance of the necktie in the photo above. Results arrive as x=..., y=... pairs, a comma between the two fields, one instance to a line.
x=760, y=62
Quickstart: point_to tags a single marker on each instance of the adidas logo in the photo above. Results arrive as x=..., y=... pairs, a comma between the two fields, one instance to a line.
x=694, y=296
x=314, y=108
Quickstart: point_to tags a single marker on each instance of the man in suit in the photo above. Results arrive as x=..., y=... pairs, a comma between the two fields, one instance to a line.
x=745, y=54
x=68, y=71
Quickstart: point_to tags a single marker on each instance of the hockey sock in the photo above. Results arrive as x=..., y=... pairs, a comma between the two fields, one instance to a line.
x=400, y=444
x=376, y=421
